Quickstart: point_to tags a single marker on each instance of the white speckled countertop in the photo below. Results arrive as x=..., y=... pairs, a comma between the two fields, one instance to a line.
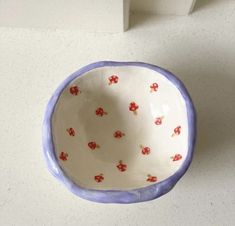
x=200, y=49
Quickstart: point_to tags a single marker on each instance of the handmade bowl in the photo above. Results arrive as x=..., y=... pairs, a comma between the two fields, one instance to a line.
x=119, y=132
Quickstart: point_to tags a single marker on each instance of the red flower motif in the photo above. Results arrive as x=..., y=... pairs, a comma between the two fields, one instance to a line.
x=151, y=178
x=64, y=156
x=177, y=131
x=145, y=150
x=133, y=107
x=121, y=166
x=154, y=87
x=113, y=79
x=93, y=145
x=176, y=157
x=118, y=134
x=74, y=90
x=99, y=178
x=100, y=112
x=71, y=132
x=158, y=121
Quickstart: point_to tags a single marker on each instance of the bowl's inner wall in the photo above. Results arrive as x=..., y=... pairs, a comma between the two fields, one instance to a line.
x=149, y=148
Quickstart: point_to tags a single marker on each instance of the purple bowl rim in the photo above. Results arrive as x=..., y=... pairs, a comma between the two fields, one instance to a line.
x=117, y=196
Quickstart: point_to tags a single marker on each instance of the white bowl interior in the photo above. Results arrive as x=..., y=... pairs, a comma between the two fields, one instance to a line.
x=151, y=143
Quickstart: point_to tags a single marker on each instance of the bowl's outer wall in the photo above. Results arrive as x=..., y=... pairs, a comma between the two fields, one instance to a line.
x=116, y=196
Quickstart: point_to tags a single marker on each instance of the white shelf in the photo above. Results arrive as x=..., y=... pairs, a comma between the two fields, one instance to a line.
x=86, y=15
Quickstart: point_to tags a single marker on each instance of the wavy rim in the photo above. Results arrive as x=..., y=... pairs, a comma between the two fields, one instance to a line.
x=117, y=196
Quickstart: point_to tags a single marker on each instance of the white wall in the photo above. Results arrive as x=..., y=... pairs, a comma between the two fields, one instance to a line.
x=89, y=15
x=175, y=7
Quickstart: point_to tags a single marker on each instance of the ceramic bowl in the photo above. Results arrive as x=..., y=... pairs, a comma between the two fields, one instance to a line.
x=119, y=132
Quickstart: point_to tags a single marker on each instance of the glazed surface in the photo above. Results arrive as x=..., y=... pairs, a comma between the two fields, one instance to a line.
x=120, y=128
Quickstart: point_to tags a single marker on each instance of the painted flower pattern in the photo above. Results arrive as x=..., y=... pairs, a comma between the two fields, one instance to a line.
x=145, y=150
x=63, y=156
x=74, y=90
x=100, y=112
x=133, y=107
x=154, y=87
x=177, y=131
x=118, y=134
x=121, y=166
x=151, y=178
x=113, y=79
x=176, y=157
x=93, y=145
x=99, y=178
x=71, y=132
x=158, y=121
